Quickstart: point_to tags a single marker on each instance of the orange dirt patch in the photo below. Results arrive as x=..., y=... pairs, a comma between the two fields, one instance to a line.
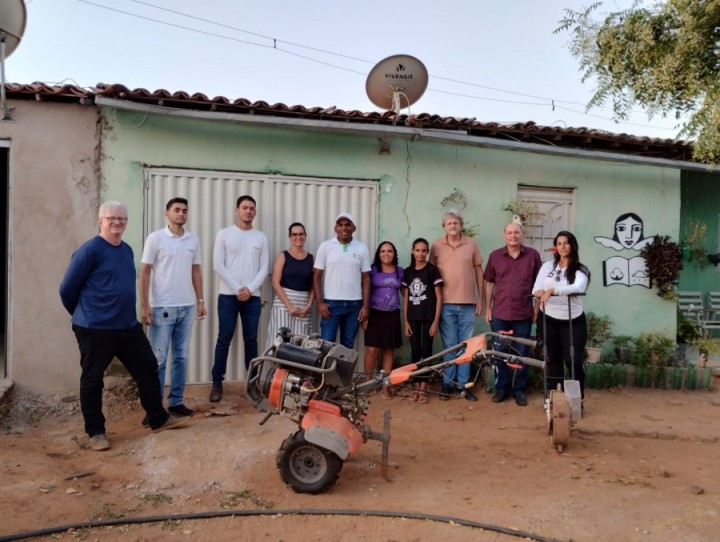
x=641, y=465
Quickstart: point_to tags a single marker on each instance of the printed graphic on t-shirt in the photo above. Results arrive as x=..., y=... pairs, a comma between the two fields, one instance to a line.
x=417, y=291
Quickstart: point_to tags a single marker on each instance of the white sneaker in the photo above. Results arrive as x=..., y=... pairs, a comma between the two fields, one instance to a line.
x=99, y=442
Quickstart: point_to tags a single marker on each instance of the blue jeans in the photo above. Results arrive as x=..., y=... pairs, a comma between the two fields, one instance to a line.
x=457, y=324
x=520, y=328
x=228, y=309
x=172, y=325
x=343, y=316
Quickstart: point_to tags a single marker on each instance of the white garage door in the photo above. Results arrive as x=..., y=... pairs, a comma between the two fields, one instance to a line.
x=281, y=200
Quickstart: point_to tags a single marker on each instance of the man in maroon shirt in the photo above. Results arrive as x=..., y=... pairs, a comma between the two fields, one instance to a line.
x=509, y=277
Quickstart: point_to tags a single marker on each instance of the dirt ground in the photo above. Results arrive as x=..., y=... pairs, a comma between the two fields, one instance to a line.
x=642, y=465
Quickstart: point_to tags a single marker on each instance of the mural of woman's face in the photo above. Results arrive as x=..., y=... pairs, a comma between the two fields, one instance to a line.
x=629, y=231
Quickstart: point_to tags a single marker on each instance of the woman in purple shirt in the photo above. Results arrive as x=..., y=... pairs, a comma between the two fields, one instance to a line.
x=382, y=328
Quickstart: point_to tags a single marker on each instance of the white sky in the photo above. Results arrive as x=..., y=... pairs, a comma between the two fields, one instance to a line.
x=504, y=49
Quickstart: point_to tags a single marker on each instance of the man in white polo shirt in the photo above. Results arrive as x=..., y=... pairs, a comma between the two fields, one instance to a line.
x=343, y=297
x=171, y=295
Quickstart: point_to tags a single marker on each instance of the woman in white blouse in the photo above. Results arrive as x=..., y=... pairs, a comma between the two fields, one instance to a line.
x=557, y=280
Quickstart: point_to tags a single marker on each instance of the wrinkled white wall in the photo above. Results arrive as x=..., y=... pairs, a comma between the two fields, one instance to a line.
x=53, y=199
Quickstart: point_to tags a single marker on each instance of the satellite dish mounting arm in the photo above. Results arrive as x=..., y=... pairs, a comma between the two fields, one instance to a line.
x=397, y=97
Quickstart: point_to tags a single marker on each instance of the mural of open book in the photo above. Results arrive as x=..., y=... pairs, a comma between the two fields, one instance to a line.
x=629, y=272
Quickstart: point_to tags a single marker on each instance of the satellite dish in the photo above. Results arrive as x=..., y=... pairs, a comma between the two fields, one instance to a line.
x=12, y=27
x=396, y=82
x=12, y=23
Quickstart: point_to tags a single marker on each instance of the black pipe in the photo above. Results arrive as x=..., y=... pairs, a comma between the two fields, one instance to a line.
x=276, y=512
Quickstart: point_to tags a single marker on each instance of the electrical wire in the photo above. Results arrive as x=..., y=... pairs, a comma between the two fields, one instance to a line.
x=278, y=512
x=316, y=49
x=547, y=102
x=215, y=35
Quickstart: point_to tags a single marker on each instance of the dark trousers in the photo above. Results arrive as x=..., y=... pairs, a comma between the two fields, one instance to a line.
x=508, y=382
x=557, y=340
x=98, y=347
x=421, y=344
x=228, y=308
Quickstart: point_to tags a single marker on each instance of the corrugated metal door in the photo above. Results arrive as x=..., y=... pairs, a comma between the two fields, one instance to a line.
x=281, y=200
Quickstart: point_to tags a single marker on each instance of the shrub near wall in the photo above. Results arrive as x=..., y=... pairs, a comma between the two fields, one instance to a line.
x=608, y=375
x=654, y=363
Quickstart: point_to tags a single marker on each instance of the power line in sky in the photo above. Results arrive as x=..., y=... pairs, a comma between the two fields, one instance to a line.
x=277, y=45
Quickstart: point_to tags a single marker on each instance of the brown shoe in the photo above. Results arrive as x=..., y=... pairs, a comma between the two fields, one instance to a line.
x=173, y=422
x=216, y=394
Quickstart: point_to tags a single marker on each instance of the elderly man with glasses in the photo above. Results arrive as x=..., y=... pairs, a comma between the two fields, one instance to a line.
x=98, y=290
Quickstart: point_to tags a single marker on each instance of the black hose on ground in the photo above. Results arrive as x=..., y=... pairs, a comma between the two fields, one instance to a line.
x=276, y=512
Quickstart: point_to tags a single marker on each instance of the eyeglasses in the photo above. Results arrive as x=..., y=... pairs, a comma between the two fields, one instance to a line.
x=118, y=219
x=297, y=235
x=558, y=275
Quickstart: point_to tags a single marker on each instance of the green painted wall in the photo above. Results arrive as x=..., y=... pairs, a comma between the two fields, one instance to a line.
x=414, y=178
x=701, y=203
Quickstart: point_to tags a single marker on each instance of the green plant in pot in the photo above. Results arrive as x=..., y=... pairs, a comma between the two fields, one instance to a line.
x=599, y=331
x=663, y=261
x=623, y=348
x=706, y=348
x=653, y=348
x=652, y=355
x=528, y=212
x=688, y=332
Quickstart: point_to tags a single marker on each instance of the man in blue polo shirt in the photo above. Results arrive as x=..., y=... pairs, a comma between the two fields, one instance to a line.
x=341, y=281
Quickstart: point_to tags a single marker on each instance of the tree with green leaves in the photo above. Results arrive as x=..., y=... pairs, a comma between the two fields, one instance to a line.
x=664, y=57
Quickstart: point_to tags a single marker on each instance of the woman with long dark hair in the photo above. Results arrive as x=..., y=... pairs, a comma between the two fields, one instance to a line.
x=557, y=280
x=382, y=328
x=292, y=283
x=422, y=303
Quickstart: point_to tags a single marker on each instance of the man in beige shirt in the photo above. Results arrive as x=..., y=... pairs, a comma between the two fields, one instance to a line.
x=460, y=263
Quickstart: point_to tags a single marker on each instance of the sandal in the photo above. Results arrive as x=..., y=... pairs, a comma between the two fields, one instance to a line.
x=385, y=393
x=422, y=398
x=414, y=396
